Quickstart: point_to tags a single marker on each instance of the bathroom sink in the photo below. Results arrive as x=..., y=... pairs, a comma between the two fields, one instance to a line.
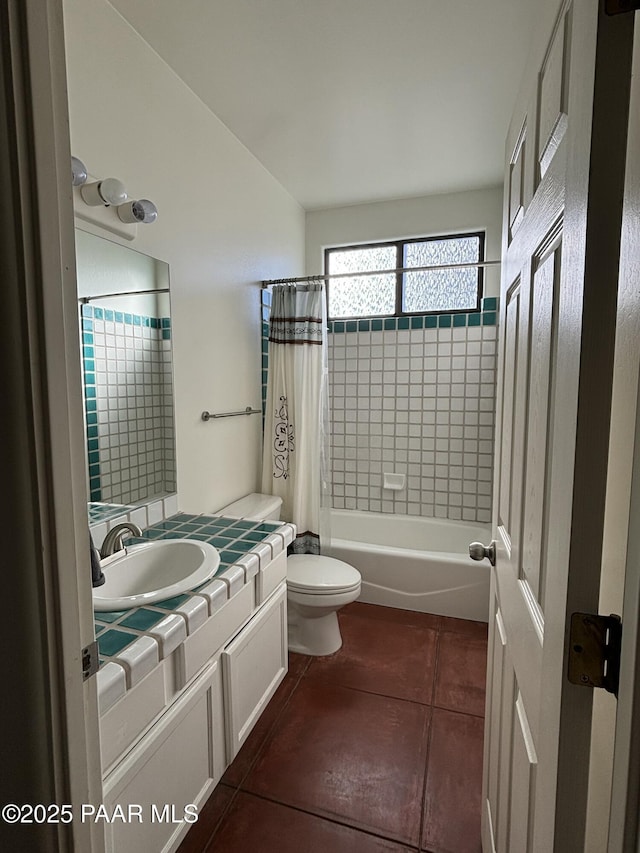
x=153, y=571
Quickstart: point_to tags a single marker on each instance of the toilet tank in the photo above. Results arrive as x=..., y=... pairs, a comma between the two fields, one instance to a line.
x=254, y=507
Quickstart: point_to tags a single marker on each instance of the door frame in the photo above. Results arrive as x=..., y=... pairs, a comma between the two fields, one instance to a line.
x=51, y=718
x=622, y=558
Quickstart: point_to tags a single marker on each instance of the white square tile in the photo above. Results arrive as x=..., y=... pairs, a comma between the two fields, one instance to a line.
x=155, y=512
x=170, y=506
x=233, y=577
x=195, y=611
x=169, y=632
x=98, y=532
x=250, y=564
x=216, y=593
x=111, y=681
x=138, y=659
x=139, y=516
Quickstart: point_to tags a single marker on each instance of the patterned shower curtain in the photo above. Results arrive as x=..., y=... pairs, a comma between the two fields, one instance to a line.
x=295, y=459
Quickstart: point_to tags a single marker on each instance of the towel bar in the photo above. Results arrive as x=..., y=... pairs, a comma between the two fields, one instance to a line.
x=207, y=416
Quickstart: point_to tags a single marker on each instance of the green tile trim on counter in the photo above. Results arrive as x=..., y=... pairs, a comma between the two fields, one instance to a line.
x=112, y=642
x=141, y=619
x=232, y=554
x=233, y=537
x=253, y=536
x=266, y=527
x=243, y=525
x=173, y=602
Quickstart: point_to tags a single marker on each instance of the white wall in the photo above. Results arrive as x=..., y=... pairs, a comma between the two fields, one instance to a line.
x=409, y=217
x=224, y=223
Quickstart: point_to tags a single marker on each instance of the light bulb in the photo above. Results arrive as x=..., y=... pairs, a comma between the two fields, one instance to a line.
x=112, y=191
x=78, y=172
x=109, y=191
x=142, y=210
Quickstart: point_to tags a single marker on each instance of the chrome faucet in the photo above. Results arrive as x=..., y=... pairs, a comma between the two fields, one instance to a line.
x=113, y=540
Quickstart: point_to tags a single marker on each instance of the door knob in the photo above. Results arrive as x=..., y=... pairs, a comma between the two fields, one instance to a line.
x=478, y=551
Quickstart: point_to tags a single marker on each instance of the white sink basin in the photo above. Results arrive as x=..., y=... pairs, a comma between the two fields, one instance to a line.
x=154, y=571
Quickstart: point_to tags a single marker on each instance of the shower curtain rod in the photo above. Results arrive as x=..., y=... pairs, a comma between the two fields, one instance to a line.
x=86, y=299
x=269, y=282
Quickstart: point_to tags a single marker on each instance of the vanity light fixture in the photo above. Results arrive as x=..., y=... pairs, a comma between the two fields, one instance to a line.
x=109, y=191
x=141, y=210
x=78, y=172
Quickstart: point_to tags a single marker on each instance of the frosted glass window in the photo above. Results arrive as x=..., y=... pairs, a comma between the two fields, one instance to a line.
x=394, y=294
x=362, y=296
x=441, y=290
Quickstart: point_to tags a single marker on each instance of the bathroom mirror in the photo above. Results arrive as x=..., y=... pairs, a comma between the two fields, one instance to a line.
x=125, y=331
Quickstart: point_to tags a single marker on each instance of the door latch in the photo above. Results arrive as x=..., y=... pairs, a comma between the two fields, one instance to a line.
x=594, y=651
x=90, y=660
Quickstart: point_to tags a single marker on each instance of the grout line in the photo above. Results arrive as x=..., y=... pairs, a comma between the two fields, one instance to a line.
x=423, y=804
x=328, y=683
x=208, y=844
x=337, y=820
x=457, y=711
x=269, y=732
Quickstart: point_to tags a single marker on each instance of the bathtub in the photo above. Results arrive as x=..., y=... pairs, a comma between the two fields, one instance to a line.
x=414, y=563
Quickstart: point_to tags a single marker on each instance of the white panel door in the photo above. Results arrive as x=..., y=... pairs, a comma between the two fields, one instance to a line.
x=564, y=173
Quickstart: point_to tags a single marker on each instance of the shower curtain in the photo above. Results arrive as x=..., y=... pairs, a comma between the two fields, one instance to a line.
x=295, y=460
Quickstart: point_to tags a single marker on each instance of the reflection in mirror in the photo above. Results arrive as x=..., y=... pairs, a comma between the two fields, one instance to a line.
x=127, y=375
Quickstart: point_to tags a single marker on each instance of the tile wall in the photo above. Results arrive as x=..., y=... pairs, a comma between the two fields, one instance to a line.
x=102, y=516
x=416, y=401
x=413, y=396
x=127, y=376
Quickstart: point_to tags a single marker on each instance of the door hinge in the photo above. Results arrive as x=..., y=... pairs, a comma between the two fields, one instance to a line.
x=594, y=651
x=90, y=660
x=617, y=7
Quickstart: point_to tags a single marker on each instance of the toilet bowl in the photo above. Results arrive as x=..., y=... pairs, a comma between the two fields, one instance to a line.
x=317, y=586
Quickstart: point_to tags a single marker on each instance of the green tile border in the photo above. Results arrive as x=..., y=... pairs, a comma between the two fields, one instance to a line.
x=486, y=316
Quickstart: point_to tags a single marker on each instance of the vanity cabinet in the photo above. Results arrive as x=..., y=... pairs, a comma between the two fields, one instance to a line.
x=253, y=665
x=166, y=743
x=174, y=766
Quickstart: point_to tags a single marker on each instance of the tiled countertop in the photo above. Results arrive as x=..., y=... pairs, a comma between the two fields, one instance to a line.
x=132, y=642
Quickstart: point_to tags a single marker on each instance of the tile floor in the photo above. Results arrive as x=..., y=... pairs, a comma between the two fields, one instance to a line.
x=375, y=748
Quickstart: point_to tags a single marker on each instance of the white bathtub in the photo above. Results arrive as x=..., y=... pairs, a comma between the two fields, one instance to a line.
x=415, y=563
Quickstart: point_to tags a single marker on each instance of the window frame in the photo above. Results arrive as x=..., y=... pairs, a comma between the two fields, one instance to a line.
x=399, y=285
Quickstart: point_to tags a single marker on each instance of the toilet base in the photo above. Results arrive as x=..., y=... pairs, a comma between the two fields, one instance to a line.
x=311, y=632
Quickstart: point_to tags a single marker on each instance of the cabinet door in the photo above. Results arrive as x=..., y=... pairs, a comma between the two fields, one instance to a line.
x=253, y=665
x=175, y=766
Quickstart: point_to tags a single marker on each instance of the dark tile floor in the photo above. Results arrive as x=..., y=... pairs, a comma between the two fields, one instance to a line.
x=375, y=748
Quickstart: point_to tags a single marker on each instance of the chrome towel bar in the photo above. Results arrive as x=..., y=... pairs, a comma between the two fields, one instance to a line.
x=207, y=416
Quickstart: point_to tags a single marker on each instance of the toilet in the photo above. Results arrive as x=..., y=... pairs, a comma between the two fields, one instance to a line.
x=317, y=586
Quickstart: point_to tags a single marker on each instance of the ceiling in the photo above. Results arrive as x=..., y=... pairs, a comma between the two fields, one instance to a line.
x=348, y=101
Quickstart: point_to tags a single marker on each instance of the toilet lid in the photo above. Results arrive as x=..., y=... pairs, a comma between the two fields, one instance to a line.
x=315, y=574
